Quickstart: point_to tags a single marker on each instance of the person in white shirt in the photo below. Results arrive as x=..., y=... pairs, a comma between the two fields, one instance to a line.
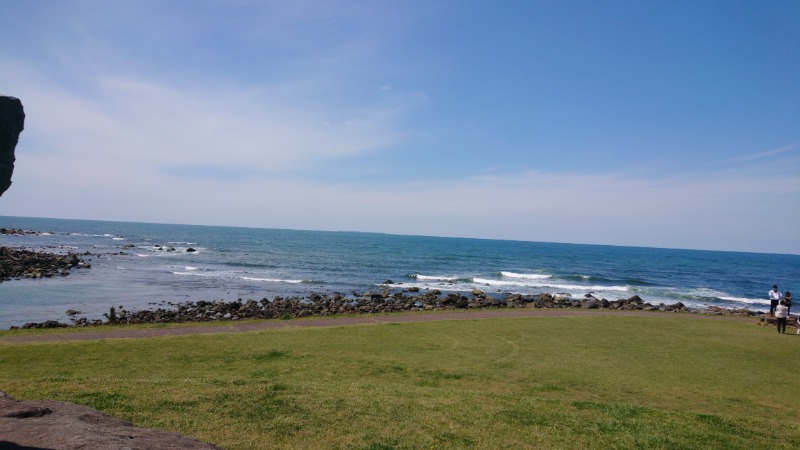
x=774, y=297
x=781, y=313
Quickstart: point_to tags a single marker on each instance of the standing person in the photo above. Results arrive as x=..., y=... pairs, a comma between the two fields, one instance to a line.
x=788, y=299
x=781, y=313
x=774, y=298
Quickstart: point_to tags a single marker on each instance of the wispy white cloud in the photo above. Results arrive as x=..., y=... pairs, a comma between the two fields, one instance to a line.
x=713, y=212
x=764, y=154
x=147, y=125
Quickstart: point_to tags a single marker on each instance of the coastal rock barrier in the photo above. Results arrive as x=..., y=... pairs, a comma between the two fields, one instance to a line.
x=20, y=263
x=386, y=301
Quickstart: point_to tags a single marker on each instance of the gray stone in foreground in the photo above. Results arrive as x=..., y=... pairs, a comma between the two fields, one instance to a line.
x=49, y=424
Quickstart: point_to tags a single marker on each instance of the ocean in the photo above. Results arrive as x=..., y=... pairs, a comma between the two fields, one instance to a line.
x=231, y=263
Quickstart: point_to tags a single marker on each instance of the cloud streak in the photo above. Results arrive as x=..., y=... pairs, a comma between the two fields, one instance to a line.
x=145, y=124
x=764, y=154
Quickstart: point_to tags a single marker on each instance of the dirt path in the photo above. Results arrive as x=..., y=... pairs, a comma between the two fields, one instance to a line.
x=233, y=327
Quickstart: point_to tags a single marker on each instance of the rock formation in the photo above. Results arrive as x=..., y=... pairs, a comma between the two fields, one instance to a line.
x=12, y=122
x=29, y=264
x=50, y=424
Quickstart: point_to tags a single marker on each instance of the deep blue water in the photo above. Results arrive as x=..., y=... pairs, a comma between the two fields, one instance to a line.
x=233, y=263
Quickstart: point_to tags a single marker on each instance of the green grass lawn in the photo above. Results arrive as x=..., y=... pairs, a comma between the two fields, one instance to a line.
x=550, y=382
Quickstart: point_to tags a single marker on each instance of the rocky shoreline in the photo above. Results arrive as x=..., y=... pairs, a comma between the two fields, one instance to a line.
x=18, y=232
x=385, y=301
x=21, y=263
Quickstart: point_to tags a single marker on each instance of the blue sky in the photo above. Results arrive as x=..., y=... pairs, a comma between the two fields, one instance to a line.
x=667, y=124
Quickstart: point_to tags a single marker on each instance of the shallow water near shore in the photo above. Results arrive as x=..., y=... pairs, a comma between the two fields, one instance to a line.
x=156, y=269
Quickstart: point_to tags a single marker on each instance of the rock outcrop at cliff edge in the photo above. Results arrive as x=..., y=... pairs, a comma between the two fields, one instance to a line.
x=50, y=424
x=12, y=122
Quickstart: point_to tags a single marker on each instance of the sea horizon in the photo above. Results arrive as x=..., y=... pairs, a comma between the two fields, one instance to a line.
x=254, y=227
x=142, y=265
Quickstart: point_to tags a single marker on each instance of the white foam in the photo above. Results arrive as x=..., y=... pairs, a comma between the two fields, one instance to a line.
x=118, y=239
x=272, y=280
x=572, y=287
x=706, y=293
x=193, y=271
x=529, y=276
x=47, y=234
x=499, y=282
x=195, y=274
x=434, y=278
x=566, y=287
x=751, y=301
x=142, y=255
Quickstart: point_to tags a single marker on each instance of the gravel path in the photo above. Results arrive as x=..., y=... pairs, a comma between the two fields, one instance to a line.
x=233, y=327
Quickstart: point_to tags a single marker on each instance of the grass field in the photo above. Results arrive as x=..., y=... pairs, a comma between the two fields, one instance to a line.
x=551, y=382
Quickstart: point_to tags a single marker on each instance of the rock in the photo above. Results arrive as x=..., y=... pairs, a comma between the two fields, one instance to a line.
x=45, y=324
x=15, y=232
x=190, y=250
x=60, y=425
x=591, y=303
x=27, y=264
x=12, y=122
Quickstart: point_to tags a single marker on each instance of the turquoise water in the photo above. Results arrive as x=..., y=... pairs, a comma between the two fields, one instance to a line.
x=233, y=263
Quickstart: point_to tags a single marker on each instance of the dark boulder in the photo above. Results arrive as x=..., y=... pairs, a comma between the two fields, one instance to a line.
x=12, y=122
